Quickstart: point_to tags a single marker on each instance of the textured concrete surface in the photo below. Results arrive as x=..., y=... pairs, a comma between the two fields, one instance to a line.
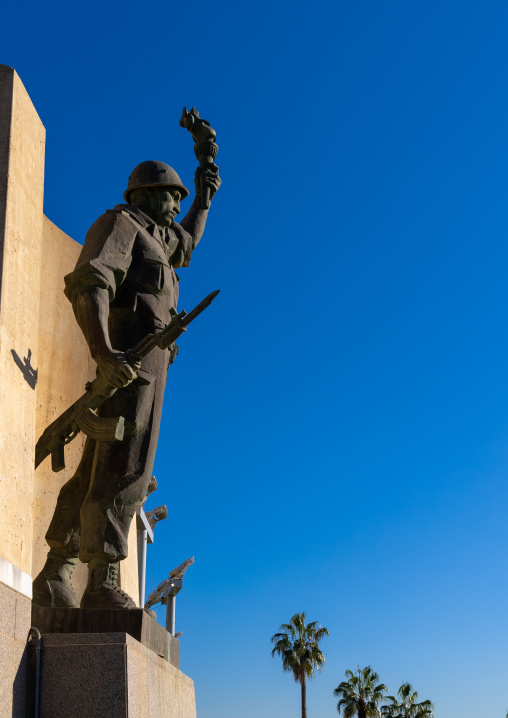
x=14, y=627
x=157, y=689
x=97, y=675
x=129, y=578
x=22, y=138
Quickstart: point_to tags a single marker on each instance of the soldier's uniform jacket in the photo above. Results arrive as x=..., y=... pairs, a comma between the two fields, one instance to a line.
x=126, y=253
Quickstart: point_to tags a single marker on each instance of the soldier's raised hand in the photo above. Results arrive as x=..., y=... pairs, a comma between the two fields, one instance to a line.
x=211, y=179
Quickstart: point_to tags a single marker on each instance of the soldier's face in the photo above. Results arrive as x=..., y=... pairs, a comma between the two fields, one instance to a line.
x=165, y=204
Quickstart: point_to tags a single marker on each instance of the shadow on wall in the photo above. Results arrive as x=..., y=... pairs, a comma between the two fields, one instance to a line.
x=23, y=690
x=29, y=373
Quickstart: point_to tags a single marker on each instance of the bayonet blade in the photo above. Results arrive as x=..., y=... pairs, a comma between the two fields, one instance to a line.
x=200, y=308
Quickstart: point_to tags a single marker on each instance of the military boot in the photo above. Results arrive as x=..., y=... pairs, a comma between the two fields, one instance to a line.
x=52, y=588
x=103, y=590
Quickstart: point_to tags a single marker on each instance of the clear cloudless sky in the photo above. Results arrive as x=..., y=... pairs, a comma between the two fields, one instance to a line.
x=335, y=431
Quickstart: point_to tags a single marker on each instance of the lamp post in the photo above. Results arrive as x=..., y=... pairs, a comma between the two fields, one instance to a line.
x=145, y=524
x=170, y=602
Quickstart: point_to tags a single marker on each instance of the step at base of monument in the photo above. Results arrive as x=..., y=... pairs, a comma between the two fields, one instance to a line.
x=134, y=621
x=110, y=675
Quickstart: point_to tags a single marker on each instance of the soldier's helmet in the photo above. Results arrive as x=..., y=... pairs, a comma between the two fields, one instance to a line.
x=154, y=174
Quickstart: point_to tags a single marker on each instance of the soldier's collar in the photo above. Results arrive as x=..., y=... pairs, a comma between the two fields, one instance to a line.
x=141, y=218
x=160, y=233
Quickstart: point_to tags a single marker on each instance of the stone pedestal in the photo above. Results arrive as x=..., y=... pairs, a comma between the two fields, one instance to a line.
x=110, y=675
x=136, y=622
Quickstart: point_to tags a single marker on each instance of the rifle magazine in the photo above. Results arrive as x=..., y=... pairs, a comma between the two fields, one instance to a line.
x=101, y=429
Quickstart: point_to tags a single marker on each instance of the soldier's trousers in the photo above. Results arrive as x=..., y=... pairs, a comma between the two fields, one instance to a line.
x=96, y=506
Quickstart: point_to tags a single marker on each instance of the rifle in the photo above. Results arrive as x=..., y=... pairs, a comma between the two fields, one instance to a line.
x=82, y=415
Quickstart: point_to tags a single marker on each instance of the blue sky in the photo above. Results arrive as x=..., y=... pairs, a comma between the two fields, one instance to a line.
x=335, y=430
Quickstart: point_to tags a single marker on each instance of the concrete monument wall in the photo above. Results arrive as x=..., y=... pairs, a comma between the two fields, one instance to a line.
x=22, y=139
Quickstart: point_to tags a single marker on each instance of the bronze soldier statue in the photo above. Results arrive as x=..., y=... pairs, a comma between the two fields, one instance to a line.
x=124, y=287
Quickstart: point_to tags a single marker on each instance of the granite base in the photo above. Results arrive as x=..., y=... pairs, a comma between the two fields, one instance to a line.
x=136, y=622
x=110, y=675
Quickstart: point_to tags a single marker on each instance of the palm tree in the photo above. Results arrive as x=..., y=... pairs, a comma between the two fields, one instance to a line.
x=360, y=694
x=407, y=707
x=297, y=643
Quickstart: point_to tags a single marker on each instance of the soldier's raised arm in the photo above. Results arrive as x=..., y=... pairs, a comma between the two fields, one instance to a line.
x=195, y=220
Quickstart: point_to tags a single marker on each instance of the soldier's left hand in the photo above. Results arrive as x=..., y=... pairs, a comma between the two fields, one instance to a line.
x=212, y=179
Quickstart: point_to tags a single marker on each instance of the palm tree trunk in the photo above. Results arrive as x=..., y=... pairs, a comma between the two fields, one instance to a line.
x=362, y=709
x=304, y=697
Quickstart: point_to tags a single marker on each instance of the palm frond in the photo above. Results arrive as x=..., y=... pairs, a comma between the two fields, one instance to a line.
x=321, y=633
x=278, y=637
